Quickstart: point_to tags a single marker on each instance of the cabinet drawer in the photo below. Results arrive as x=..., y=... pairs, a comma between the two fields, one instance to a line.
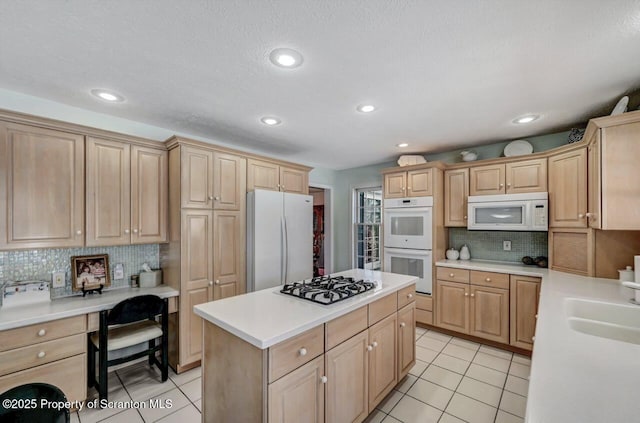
x=383, y=307
x=495, y=280
x=425, y=317
x=406, y=295
x=69, y=375
x=424, y=302
x=453, y=275
x=344, y=327
x=293, y=353
x=28, y=335
x=41, y=353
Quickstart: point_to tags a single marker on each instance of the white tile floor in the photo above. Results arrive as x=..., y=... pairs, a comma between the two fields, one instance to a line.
x=454, y=380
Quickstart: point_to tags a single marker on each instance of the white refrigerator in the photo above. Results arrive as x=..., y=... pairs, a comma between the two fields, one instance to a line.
x=279, y=238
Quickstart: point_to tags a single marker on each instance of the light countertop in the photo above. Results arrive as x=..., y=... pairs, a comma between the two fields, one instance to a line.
x=264, y=318
x=18, y=316
x=575, y=377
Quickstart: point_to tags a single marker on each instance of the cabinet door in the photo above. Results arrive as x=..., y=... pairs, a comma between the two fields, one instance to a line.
x=394, y=184
x=298, y=396
x=383, y=367
x=149, y=195
x=487, y=180
x=42, y=181
x=525, y=294
x=572, y=251
x=595, y=189
x=262, y=175
x=489, y=313
x=568, y=189
x=294, y=180
x=419, y=182
x=527, y=176
x=452, y=306
x=108, y=196
x=196, y=178
x=347, y=368
x=228, y=248
x=229, y=181
x=191, y=325
x=406, y=339
x=456, y=191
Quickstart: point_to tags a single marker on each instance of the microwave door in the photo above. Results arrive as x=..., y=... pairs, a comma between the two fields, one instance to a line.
x=499, y=216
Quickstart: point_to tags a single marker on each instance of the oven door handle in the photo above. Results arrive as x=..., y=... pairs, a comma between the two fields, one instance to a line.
x=406, y=252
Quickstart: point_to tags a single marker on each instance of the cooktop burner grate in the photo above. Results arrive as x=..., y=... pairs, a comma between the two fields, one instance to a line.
x=327, y=289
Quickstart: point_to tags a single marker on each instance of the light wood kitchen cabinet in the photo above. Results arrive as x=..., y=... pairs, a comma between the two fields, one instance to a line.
x=568, y=189
x=272, y=176
x=571, y=250
x=525, y=295
x=383, y=368
x=299, y=396
x=41, y=187
x=406, y=339
x=456, y=192
x=412, y=183
x=424, y=309
x=489, y=313
x=509, y=178
x=228, y=257
x=452, y=307
x=347, y=369
x=126, y=193
x=196, y=177
x=229, y=181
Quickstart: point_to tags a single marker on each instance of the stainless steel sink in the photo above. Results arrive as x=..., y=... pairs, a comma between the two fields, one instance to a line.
x=606, y=320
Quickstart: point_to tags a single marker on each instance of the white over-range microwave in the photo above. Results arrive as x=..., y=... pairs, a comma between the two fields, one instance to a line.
x=509, y=212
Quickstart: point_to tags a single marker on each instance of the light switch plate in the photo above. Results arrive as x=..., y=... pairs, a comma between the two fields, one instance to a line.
x=57, y=280
x=506, y=245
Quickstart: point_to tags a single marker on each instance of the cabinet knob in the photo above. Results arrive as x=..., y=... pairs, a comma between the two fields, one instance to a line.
x=501, y=185
x=126, y=231
x=217, y=281
x=78, y=232
x=211, y=197
x=589, y=215
x=410, y=296
x=135, y=231
x=375, y=344
x=473, y=295
x=403, y=324
x=216, y=198
x=282, y=186
x=466, y=294
x=369, y=348
x=409, y=188
x=488, y=279
x=323, y=379
x=42, y=332
x=302, y=351
x=508, y=185
x=533, y=339
x=465, y=217
x=536, y=316
x=41, y=354
x=450, y=275
x=210, y=283
x=580, y=216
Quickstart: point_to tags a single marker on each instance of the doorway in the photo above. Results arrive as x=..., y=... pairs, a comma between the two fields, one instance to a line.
x=322, y=262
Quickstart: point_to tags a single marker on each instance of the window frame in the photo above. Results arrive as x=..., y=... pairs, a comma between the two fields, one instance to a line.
x=355, y=222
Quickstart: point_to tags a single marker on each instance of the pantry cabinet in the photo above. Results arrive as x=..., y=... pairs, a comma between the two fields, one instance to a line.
x=229, y=181
x=41, y=187
x=272, y=176
x=525, y=295
x=509, y=178
x=228, y=254
x=412, y=183
x=196, y=177
x=568, y=189
x=456, y=193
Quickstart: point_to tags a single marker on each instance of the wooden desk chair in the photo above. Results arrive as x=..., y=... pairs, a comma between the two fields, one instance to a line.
x=38, y=391
x=130, y=322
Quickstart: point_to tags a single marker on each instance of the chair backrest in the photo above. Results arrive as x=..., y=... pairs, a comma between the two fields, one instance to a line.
x=134, y=309
x=37, y=392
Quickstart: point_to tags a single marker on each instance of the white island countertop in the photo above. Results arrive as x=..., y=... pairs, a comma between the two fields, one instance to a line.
x=24, y=315
x=575, y=377
x=264, y=318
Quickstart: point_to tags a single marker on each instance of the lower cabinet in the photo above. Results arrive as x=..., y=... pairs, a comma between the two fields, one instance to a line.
x=406, y=339
x=452, y=307
x=383, y=370
x=525, y=294
x=489, y=313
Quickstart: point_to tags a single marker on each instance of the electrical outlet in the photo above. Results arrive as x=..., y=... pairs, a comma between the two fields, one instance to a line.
x=58, y=280
x=506, y=245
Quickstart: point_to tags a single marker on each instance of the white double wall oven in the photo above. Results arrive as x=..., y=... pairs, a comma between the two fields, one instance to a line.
x=407, y=235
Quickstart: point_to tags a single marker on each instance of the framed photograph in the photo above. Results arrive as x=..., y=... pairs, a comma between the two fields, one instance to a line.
x=90, y=272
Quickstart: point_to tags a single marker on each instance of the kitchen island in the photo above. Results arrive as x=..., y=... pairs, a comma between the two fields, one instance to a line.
x=273, y=357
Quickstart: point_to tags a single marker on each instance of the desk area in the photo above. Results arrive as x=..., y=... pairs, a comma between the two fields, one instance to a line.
x=47, y=342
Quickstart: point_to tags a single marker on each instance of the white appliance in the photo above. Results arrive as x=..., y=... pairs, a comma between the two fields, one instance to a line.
x=407, y=239
x=279, y=238
x=509, y=212
x=407, y=222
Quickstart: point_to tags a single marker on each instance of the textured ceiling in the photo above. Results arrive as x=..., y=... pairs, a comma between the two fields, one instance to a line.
x=444, y=74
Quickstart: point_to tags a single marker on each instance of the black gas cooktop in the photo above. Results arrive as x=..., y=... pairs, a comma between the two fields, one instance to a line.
x=327, y=289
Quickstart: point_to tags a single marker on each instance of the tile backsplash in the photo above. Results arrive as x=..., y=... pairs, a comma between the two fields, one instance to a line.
x=40, y=264
x=487, y=245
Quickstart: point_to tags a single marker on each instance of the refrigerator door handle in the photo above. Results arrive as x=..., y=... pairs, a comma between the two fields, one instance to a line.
x=282, y=250
x=286, y=250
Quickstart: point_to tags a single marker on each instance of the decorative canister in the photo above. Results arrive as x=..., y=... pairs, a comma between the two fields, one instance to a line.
x=452, y=254
x=627, y=274
x=464, y=253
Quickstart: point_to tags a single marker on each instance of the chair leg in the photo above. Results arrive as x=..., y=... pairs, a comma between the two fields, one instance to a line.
x=165, y=341
x=102, y=358
x=91, y=363
x=152, y=356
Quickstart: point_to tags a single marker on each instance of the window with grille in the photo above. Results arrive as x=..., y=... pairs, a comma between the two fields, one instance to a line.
x=367, y=228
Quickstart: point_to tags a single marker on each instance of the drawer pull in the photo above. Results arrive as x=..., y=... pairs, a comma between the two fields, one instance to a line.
x=375, y=344
x=410, y=296
x=403, y=324
x=450, y=275
x=323, y=379
x=488, y=279
x=41, y=354
x=369, y=348
x=42, y=332
x=302, y=351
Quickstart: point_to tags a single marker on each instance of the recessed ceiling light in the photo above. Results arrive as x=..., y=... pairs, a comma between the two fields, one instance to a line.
x=271, y=121
x=402, y=145
x=366, y=108
x=107, y=96
x=286, y=58
x=526, y=119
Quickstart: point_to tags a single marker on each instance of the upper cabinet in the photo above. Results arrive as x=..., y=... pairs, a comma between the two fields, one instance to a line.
x=196, y=177
x=271, y=176
x=568, y=189
x=126, y=198
x=41, y=187
x=229, y=181
x=456, y=192
x=509, y=178
x=412, y=183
